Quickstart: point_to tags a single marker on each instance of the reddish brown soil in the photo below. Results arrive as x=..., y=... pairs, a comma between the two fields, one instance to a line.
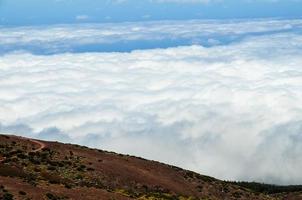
x=107, y=175
x=16, y=185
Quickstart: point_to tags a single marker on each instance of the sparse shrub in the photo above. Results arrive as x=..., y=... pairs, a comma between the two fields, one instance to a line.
x=34, y=161
x=199, y=188
x=267, y=188
x=8, y=196
x=68, y=186
x=21, y=156
x=79, y=176
x=51, y=196
x=37, y=169
x=237, y=194
x=145, y=188
x=51, y=168
x=44, y=155
x=61, y=164
x=67, y=163
x=46, y=149
x=53, y=181
x=54, y=197
x=22, y=193
x=189, y=174
x=31, y=179
x=81, y=168
x=225, y=190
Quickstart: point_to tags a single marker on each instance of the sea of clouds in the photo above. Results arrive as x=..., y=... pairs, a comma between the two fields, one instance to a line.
x=124, y=37
x=231, y=110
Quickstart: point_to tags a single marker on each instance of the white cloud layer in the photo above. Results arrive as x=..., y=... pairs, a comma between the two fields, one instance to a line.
x=233, y=111
x=66, y=38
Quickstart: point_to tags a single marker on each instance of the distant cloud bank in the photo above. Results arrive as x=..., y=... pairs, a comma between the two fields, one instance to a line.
x=130, y=36
x=231, y=110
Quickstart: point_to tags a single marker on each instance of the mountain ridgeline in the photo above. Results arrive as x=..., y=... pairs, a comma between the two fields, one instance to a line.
x=34, y=170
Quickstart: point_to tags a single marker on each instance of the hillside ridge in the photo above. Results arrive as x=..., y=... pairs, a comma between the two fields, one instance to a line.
x=34, y=169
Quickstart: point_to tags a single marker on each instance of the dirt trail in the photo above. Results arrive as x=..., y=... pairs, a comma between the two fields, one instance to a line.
x=40, y=144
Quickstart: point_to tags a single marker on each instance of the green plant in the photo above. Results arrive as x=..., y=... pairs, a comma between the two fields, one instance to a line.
x=8, y=196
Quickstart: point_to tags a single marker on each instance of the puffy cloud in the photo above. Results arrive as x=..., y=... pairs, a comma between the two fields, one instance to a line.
x=217, y=110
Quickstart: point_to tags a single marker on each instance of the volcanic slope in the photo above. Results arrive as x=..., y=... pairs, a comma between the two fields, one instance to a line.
x=36, y=170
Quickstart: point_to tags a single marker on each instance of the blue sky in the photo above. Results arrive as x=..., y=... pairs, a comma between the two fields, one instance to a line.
x=33, y=12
